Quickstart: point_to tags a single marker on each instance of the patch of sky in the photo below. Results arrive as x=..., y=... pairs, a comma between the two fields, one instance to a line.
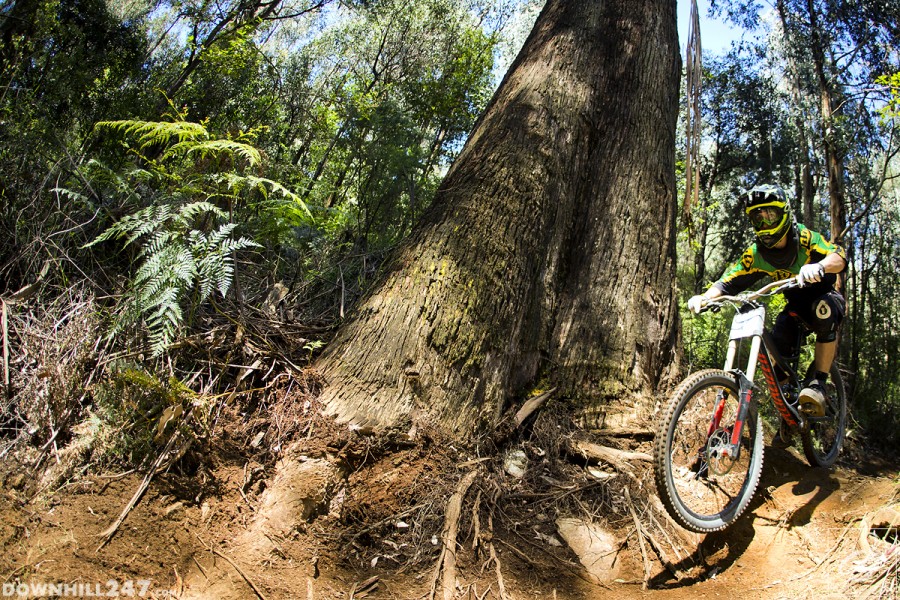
x=716, y=35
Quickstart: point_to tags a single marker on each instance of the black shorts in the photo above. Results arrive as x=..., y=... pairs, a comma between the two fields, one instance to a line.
x=822, y=315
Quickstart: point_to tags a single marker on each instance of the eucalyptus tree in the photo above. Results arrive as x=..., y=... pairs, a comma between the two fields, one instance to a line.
x=747, y=140
x=549, y=248
x=398, y=86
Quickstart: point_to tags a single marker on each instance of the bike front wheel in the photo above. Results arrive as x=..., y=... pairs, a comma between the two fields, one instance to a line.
x=703, y=488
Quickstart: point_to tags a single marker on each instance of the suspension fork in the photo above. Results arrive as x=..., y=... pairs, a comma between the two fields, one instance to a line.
x=745, y=394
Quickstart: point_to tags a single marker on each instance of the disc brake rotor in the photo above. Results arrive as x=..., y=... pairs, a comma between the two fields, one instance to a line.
x=718, y=455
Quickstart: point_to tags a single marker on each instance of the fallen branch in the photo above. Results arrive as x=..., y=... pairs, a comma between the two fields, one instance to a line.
x=363, y=589
x=501, y=585
x=614, y=456
x=626, y=432
x=617, y=458
x=447, y=560
x=108, y=534
x=240, y=572
x=532, y=405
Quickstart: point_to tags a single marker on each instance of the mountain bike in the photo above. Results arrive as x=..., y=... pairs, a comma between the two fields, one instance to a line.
x=708, y=451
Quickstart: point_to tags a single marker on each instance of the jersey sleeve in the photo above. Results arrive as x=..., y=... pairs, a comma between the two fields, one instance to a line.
x=742, y=274
x=819, y=247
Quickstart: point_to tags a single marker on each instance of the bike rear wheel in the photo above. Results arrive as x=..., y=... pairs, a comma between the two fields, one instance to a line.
x=823, y=438
x=702, y=490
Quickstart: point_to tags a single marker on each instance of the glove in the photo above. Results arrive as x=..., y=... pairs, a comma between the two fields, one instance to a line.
x=696, y=304
x=811, y=273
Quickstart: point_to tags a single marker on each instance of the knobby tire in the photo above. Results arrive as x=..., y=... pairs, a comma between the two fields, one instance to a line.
x=711, y=497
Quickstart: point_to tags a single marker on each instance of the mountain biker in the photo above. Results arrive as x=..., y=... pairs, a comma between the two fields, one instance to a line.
x=785, y=248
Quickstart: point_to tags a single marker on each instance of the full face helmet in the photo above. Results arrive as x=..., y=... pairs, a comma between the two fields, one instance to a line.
x=769, y=214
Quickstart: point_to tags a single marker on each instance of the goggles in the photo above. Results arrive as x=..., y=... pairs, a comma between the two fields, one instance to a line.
x=767, y=216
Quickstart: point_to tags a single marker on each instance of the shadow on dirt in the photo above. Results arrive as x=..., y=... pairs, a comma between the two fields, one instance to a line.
x=718, y=551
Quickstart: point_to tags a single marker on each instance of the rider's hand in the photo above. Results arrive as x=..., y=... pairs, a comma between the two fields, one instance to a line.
x=811, y=273
x=696, y=303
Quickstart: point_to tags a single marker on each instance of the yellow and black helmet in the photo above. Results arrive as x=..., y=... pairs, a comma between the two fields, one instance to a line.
x=769, y=213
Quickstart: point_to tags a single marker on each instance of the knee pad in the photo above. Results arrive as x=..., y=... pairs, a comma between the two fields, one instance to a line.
x=827, y=315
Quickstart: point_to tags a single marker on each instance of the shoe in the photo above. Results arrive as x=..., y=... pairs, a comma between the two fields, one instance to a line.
x=783, y=437
x=812, y=399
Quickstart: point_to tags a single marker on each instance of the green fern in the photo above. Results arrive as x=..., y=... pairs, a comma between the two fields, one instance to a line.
x=151, y=133
x=176, y=260
x=186, y=242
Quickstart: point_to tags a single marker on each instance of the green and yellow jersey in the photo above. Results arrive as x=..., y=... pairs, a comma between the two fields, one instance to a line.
x=804, y=246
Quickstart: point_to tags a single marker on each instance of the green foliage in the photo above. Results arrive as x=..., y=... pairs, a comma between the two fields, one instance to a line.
x=175, y=259
x=892, y=83
x=129, y=422
x=185, y=237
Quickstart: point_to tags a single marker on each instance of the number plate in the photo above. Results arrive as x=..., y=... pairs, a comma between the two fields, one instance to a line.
x=748, y=324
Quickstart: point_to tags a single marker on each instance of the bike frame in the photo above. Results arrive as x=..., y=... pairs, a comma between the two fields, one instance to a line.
x=749, y=323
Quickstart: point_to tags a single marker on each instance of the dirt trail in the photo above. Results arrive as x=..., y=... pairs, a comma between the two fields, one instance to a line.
x=799, y=540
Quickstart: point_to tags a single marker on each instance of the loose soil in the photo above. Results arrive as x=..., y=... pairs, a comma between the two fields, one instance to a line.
x=380, y=536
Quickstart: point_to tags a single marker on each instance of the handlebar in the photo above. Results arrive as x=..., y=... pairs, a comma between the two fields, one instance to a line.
x=776, y=287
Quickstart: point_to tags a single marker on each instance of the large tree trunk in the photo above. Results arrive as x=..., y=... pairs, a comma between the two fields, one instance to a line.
x=549, y=250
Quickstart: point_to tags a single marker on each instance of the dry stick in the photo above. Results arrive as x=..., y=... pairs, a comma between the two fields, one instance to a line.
x=613, y=456
x=249, y=581
x=640, y=534
x=108, y=534
x=476, y=523
x=364, y=587
x=663, y=558
x=500, y=584
x=447, y=559
x=451, y=528
x=655, y=545
x=5, y=326
x=493, y=554
x=23, y=294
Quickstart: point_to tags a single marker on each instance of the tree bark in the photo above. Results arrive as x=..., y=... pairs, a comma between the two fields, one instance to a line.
x=549, y=250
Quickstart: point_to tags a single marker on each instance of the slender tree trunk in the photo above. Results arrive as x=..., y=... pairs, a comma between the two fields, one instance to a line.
x=834, y=162
x=549, y=249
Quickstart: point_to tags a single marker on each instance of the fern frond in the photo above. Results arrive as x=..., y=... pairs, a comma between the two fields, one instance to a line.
x=156, y=242
x=194, y=208
x=163, y=323
x=148, y=133
x=220, y=235
x=226, y=276
x=216, y=148
x=70, y=194
x=229, y=246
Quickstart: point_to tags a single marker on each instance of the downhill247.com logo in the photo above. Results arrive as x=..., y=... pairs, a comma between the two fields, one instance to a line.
x=111, y=589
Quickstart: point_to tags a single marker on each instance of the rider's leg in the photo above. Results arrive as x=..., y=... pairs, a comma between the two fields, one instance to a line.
x=825, y=353
x=827, y=312
x=786, y=334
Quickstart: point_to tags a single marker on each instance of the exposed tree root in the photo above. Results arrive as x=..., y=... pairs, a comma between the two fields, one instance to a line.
x=447, y=560
x=640, y=536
